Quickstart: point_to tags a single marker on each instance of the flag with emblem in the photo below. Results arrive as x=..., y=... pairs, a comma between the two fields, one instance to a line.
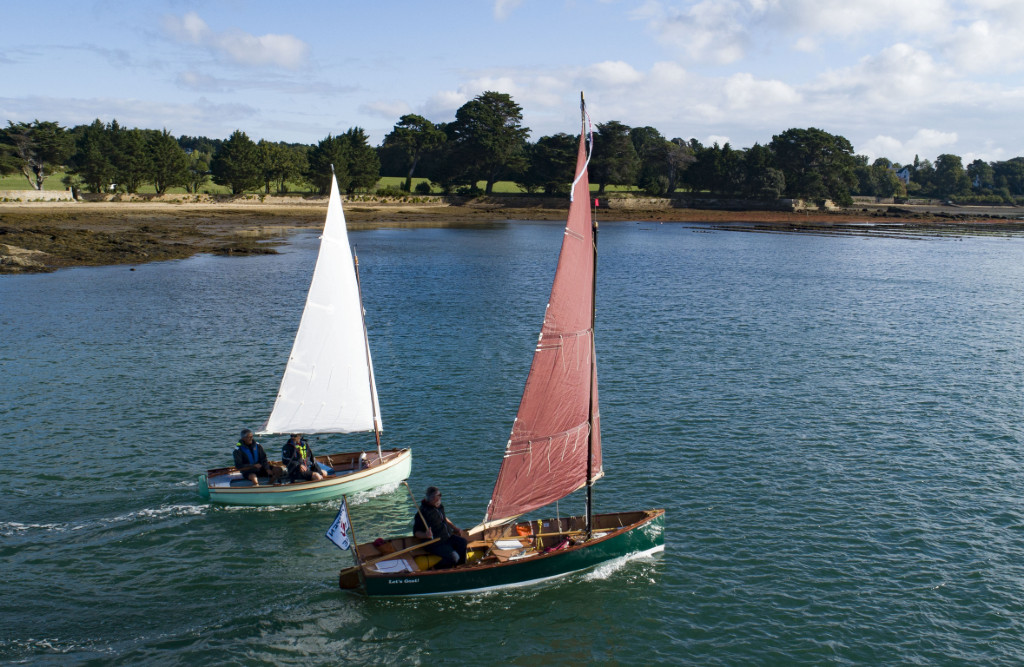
x=341, y=529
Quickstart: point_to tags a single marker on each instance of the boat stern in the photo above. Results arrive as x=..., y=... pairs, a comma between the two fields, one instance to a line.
x=204, y=488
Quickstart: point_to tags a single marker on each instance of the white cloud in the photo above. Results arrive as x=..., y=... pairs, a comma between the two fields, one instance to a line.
x=806, y=45
x=899, y=75
x=743, y=91
x=668, y=74
x=189, y=28
x=240, y=47
x=612, y=73
x=200, y=81
x=503, y=8
x=726, y=31
x=986, y=47
x=845, y=18
x=926, y=143
x=707, y=31
x=441, y=106
x=201, y=116
x=390, y=110
x=881, y=146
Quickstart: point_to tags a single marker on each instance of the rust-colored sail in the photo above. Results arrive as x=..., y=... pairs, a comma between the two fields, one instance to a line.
x=546, y=455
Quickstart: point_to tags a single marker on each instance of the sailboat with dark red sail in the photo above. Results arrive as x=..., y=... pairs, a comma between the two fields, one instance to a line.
x=554, y=450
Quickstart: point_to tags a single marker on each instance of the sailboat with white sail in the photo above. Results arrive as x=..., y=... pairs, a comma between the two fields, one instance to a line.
x=554, y=450
x=328, y=387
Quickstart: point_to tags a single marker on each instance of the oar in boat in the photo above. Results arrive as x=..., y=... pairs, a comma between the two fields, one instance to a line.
x=355, y=568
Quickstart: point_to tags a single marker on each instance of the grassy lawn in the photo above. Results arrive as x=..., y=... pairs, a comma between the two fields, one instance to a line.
x=53, y=182
x=19, y=182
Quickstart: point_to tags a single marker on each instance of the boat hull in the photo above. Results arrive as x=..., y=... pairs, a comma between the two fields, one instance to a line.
x=396, y=466
x=645, y=535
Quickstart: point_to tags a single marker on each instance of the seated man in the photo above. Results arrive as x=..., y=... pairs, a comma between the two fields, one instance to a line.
x=451, y=546
x=297, y=455
x=251, y=460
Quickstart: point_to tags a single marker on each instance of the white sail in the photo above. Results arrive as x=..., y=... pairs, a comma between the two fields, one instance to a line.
x=328, y=384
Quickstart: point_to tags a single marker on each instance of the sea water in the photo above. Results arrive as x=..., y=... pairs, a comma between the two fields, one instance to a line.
x=833, y=424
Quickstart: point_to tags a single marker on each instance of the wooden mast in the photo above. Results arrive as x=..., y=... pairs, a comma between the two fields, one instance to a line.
x=366, y=347
x=593, y=356
x=369, y=366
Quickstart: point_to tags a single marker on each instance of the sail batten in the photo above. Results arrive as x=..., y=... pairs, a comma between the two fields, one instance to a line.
x=546, y=457
x=325, y=387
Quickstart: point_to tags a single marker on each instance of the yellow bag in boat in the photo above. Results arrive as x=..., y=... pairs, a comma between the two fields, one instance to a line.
x=427, y=561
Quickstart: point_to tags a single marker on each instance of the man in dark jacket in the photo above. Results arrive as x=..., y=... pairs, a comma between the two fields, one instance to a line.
x=451, y=546
x=297, y=455
x=251, y=460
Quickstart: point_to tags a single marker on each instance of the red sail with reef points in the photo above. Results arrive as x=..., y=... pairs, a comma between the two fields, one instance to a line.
x=546, y=455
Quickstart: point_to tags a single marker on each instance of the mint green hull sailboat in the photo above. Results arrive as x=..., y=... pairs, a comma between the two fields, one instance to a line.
x=328, y=387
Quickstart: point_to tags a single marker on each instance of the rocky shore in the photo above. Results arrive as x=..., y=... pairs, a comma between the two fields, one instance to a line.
x=46, y=236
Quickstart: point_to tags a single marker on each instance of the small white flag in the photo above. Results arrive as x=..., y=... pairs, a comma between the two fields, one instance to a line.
x=341, y=528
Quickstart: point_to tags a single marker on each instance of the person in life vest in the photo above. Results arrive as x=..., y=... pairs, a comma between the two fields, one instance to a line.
x=297, y=455
x=251, y=460
x=451, y=545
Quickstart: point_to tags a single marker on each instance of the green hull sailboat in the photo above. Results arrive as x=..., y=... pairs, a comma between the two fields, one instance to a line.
x=553, y=451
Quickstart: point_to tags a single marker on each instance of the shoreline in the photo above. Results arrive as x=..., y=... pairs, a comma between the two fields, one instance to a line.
x=37, y=237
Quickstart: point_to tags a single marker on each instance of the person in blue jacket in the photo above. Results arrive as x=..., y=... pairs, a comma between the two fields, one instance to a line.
x=251, y=460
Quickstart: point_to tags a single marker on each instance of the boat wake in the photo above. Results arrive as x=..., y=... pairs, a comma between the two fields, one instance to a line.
x=16, y=528
x=370, y=494
x=12, y=528
x=606, y=570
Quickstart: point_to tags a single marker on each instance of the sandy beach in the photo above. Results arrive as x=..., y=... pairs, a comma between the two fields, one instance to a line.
x=46, y=236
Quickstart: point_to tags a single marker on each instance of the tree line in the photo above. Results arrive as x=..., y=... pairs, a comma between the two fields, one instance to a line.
x=487, y=143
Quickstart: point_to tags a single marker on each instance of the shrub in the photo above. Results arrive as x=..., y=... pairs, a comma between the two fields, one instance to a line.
x=423, y=188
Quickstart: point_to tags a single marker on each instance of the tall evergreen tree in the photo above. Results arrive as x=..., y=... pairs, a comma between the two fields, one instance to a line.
x=132, y=160
x=615, y=161
x=652, y=151
x=198, y=171
x=91, y=161
x=363, y=162
x=950, y=176
x=331, y=150
x=679, y=157
x=168, y=162
x=816, y=164
x=489, y=137
x=551, y=164
x=761, y=179
x=413, y=137
x=445, y=165
x=236, y=164
x=271, y=158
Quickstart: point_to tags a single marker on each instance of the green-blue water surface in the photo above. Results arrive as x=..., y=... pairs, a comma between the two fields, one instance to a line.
x=832, y=423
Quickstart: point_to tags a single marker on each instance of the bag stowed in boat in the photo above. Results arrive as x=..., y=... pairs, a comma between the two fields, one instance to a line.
x=427, y=561
x=564, y=544
x=383, y=546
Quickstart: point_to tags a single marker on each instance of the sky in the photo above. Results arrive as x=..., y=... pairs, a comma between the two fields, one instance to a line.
x=898, y=78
